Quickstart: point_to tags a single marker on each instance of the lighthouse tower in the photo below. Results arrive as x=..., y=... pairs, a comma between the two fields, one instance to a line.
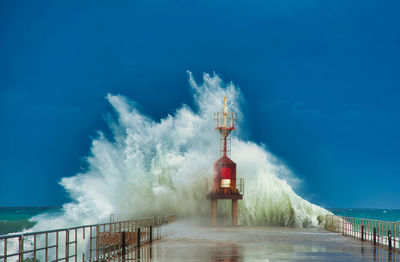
x=224, y=181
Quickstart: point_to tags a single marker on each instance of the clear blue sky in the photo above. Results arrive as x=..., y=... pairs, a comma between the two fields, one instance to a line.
x=321, y=79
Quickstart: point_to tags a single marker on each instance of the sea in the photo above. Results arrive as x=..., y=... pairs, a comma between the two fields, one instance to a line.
x=370, y=213
x=16, y=219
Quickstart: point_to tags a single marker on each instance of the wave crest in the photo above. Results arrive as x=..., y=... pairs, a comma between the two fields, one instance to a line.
x=152, y=167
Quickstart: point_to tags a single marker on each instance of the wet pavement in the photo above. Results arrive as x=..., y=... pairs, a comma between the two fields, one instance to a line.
x=183, y=242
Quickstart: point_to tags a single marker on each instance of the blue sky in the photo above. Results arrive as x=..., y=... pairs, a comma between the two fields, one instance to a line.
x=320, y=79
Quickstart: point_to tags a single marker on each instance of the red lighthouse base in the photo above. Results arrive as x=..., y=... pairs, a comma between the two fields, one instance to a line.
x=224, y=187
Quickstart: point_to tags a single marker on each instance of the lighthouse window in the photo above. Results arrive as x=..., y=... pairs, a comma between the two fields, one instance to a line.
x=225, y=182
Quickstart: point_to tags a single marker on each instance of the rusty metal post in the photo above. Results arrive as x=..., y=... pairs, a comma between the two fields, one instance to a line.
x=151, y=253
x=21, y=248
x=90, y=243
x=234, y=212
x=374, y=235
x=46, y=248
x=97, y=242
x=123, y=246
x=76, y=245
x=389, y=235
x=326, y=222
x=394, y=236
x=213, y=212
x=342, y=225
x=57, y=246
x=151, y=234
x=362, y=232
x=138, y=238
x=5, y=250
x=137, y=254
x=138, y=244
x=34, y=248
x=66, y=245
x=379, y=230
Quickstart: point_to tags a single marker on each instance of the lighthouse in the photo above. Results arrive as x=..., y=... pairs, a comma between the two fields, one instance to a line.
x=224, y=185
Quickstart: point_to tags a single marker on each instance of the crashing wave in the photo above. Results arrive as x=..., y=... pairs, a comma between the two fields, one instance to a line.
x=156, y=167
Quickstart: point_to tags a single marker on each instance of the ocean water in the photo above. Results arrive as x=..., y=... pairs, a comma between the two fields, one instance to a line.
x=370, y=213
x=16, y=219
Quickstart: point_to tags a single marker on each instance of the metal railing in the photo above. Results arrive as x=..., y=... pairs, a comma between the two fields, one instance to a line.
x=383, y=233
x=114, y=240
x=228, y=120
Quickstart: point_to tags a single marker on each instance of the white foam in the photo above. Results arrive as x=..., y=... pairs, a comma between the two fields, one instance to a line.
x=157, y=167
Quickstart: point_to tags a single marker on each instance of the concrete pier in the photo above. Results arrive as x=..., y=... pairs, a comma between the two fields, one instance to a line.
x=202, y=243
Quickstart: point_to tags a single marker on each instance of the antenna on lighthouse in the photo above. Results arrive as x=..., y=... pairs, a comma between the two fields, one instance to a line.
x=225, y=122
x=225, y=112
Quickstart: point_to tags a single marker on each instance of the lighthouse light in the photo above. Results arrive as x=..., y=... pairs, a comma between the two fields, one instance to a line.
x=225, y=183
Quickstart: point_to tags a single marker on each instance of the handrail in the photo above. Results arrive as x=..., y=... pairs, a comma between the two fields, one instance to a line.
x=378, y=232
x=99, y=241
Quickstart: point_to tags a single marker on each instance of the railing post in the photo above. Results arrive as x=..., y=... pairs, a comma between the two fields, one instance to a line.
x=379, y=231
x=97, y=242
x=34, y=248
x=374, y=235
x=355, y=228
x=76, y=245
x=57, y=246
x=326, y=222
x=21, y=248
x=5, y=250
x=46, y=244
x=341, y=225
x=90, y=243
x=389, y=235
x=138, y=238
x=394, y=236
x=138, y=243
x=123, y=246
x=362, y=232
x=151, y=234
x=66, y=245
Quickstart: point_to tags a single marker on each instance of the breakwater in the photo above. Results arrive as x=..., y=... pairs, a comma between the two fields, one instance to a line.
x=96, y=242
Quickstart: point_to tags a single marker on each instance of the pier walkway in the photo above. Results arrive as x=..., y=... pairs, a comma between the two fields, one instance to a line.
x=182, y=242
x=158, y=239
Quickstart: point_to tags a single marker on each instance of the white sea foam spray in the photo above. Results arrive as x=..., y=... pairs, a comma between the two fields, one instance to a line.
x=153, y=167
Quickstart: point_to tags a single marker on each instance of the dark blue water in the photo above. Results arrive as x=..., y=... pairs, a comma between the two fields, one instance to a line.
x=370, y=213
x=15, y=219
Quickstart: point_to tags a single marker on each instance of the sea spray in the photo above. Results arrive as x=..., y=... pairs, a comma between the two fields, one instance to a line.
x=153, y=167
